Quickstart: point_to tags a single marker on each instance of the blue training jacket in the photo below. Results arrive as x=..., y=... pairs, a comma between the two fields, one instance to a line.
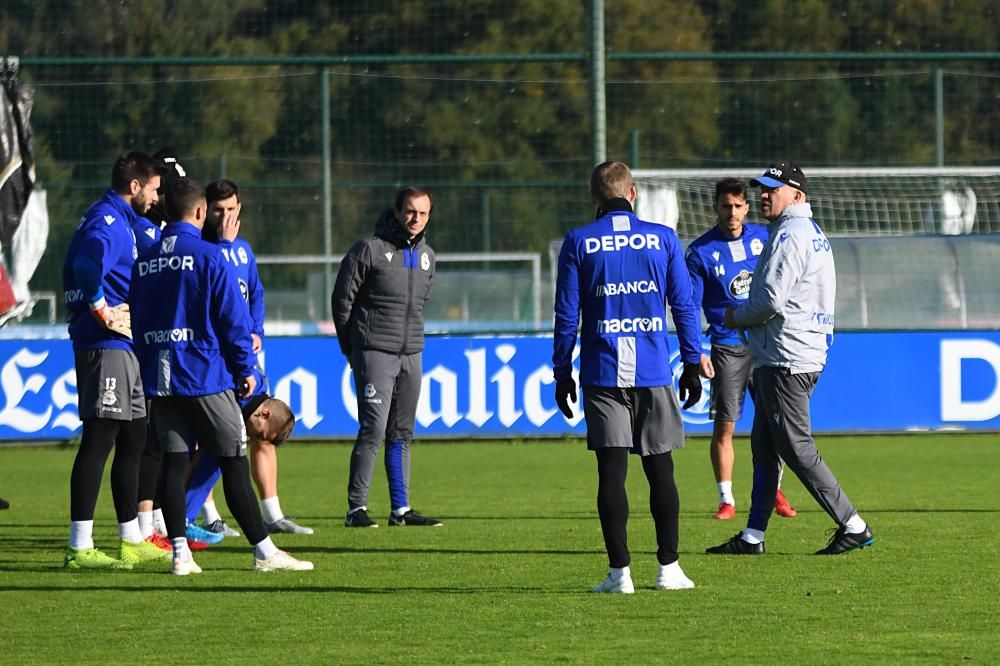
x=622, y=272
x=99, y=264
x=241, y=256
x=147, y=233
x=721, y=273
x=189, y=321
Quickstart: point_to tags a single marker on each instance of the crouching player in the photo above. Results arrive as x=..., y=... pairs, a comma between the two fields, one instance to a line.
x=192, y=338
x=268, y=421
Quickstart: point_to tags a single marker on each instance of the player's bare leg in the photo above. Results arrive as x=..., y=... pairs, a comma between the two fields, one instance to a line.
x=264, y=465
x=723, y=459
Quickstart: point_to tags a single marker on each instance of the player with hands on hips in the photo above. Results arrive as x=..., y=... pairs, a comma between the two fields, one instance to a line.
x=620, y=273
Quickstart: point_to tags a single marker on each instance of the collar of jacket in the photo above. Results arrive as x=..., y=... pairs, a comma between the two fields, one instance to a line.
x=802, y=210
x=388, y=227
x=180, y=228
x=612, y=205
x=118, y=203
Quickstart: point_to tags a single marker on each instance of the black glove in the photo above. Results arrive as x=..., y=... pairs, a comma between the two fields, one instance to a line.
x=565, y=394
x=690, y=385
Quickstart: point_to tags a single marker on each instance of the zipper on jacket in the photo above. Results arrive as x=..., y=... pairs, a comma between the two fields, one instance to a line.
x=408, y=263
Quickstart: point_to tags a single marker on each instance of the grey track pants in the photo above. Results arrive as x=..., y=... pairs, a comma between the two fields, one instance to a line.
x=388, y=388
x=782, y=431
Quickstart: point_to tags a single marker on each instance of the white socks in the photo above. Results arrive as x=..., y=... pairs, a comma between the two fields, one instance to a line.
x=265, y=549
x=81, y=534
x=181, y=550
x=271, y=508
x=146, y=524
x=855, y=525
x=130, y=531
x=752, y=536
x=211, y=512
x=403, y=509
x=726, y=493
x=159, y=525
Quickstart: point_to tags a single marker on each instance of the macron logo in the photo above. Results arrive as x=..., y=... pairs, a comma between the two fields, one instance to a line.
x=109, y=219
x=151, y=233
x=388, y=256
x=636, y=325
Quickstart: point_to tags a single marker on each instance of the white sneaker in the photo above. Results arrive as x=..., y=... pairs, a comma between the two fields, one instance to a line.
x=671, y=577
x=281, y=561
x=619, y=585
x=185, y=567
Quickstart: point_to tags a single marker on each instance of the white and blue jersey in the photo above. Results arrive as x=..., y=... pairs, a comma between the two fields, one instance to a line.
x=721, y=271
x=99, y=265
x=621, y=273
x=239, y=253
x=189, y=321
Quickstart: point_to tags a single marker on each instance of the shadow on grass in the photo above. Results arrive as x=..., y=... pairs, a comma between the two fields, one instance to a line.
x=298, y=549
x=343, y=589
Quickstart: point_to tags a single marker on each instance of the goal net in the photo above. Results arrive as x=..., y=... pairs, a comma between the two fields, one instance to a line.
x=845, y=201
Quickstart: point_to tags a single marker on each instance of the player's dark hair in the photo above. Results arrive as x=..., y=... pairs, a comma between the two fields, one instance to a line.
x=221, y=189
x=733, y=186
x=611, y=180
x=133, y=166
x=284, y=420
x=411, y=192
x=183, y=196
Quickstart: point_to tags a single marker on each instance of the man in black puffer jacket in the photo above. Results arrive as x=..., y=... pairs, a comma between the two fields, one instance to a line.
x=378, y=308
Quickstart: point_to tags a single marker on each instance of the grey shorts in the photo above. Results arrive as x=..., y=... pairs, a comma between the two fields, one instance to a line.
x=733, y=366
x=108, y=385
x=214, y=421
x=645, y=420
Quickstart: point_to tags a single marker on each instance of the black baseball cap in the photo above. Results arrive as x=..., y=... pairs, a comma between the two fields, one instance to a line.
x=782, y=173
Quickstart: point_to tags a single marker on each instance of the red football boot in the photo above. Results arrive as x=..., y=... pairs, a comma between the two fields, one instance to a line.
x=782, y=507
x=725, y=512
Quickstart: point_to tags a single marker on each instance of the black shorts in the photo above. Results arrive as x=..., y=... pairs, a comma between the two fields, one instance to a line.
x=108, y=385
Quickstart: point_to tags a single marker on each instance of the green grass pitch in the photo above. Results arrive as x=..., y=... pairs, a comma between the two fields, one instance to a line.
x=507, y=578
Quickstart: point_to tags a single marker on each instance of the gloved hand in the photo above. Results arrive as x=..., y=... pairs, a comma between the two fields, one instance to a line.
x=565, y=393
x=689, y=386
x=117, y=319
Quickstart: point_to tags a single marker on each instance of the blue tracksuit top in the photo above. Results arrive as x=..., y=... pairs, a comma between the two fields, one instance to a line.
x=622, y=272
x=241, y=256
x=147, y=233
x=189, y=321
x=721, y=273
x=99, y=264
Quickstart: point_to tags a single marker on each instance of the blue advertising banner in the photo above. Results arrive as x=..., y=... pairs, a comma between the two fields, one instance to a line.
x=496, y=386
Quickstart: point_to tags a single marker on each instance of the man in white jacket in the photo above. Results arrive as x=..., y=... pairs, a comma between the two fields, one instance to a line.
x=788, y=321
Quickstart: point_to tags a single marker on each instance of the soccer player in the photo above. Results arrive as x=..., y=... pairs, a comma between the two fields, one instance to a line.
x=721, y=263
x=147, y=233
x=96, y=277
x=622, y=272
x=189, y=355
x=378, y=307
x=223, y=226
x=789, y=318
